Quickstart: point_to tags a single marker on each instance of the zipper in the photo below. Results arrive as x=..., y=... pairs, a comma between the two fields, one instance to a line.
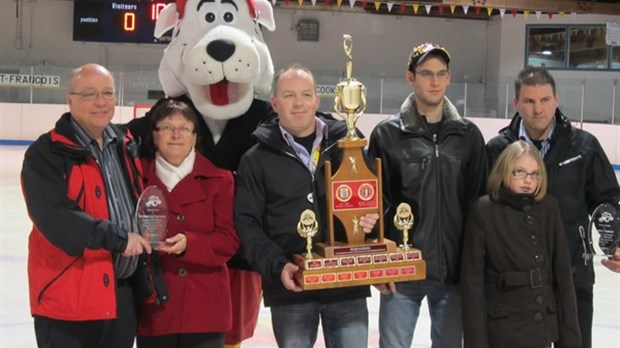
x=439, y=235
x=436, y=145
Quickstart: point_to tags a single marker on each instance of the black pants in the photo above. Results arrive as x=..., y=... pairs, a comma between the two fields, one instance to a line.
x=198, y=340
x=116, y=333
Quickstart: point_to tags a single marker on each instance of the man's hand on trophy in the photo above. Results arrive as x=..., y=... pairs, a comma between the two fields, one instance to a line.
x=386, y=289
x=613, y=262
x=288, y=277
x=368, y=221
x=136, y=245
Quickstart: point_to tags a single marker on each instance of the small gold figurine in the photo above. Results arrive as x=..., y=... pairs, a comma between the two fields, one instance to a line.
x=403, y=220
x=307, y=228
x=350, y=101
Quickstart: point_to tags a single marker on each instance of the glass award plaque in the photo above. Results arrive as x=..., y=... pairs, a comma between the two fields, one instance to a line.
x=152, y=215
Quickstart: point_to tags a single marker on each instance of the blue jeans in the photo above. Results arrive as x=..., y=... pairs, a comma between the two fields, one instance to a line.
x=399, y=312
x=345, y=324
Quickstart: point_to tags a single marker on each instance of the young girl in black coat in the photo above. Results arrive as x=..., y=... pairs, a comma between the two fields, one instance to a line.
x=516, y=272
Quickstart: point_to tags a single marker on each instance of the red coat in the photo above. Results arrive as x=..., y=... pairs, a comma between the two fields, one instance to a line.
x=70, y=267
x=201, y=206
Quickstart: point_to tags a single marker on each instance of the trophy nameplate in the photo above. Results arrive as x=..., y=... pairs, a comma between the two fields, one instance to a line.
x=604, y=221
x=352, y=192
x=152, y=215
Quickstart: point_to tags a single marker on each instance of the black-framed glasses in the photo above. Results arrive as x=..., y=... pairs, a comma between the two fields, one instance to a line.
x=168, y=129
x=522, y=174
x=93, y=95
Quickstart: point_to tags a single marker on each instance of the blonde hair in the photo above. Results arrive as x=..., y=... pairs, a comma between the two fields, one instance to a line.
x=501, y=173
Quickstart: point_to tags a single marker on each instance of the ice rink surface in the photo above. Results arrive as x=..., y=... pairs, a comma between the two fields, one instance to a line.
x=16, y=325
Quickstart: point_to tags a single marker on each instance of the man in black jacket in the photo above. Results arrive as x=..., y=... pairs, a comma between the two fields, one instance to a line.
x=434, y=160
x=277, y=179
x=580, y=175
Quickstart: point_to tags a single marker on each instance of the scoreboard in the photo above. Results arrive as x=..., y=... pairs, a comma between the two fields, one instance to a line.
x=117, y=21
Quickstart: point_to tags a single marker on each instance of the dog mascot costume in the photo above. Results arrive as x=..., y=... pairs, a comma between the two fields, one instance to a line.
x=217, y=62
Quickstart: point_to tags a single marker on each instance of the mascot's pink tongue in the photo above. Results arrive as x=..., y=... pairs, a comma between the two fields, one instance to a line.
x=224, y=92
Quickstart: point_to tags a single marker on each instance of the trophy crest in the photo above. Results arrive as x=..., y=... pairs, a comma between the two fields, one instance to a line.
x=353, y=191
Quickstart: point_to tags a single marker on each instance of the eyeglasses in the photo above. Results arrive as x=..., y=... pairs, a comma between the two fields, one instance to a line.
x=169, y=129
x=429, y=75
x=92, y=95
x=521, y=174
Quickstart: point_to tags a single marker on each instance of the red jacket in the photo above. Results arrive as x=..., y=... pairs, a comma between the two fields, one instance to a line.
x=201, y=206
x=70, y=267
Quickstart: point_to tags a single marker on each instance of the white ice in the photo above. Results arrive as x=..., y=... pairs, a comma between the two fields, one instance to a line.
x=16, y=325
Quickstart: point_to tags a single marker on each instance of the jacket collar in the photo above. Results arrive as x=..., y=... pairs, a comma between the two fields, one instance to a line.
x=562, y=124
x=518, y=201
x=412, y=120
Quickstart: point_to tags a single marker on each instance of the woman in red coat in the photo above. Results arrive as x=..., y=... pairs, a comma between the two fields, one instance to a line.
x=200, y=237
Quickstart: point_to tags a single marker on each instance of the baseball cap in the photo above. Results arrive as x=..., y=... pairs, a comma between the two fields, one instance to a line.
x=420, y=52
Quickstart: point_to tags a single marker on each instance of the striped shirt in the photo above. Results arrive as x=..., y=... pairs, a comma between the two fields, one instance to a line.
x=545, y=144
x=120, y=204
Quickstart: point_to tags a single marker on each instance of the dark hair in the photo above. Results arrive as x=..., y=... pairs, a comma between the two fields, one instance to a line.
x=165, y=109
x=533, y=76
x=294, y=66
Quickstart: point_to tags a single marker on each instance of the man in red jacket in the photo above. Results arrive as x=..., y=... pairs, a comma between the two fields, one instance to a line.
x=81, y=181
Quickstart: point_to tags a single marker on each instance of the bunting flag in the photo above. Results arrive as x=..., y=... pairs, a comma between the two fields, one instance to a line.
x=286, y=2
x=514, y=13
x=502, y=12
x=364, y=4
x=573, y=14
x=352, y=3
x=301, y=2
x=489, y=11
x=377, y=5
x=389, y=6
x=273, y=2
x=415, y=8
x=441, y=8
x=428, y=8
x=339, y=3
x=562, y=13
x=465, y=9
x=313, y=2
x=403, y=7
x=326, y=2
x=538, y=13
x=550, y=14
x=477, y=8
x=452, y=8
x=526, y=13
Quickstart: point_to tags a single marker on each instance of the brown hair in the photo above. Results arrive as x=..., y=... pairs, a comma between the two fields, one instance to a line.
x=294, y=66
x=162, y=110
x=502, y=169
x=533, y=76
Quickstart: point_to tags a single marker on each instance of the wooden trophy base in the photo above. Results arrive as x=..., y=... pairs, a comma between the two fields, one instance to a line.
x=344, y=265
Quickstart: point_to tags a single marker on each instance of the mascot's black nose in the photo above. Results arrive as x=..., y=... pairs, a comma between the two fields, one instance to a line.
x=221, y=50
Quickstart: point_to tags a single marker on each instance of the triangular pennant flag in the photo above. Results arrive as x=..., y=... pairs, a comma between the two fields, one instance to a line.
x=502, y=12
x=286, y=2
x=452, y=8
x=465, y=9
x=415, y=8
x=403, y=7
x=477, y=8
x=364, y=4
x=428, y=8
x=377, y=5
x=562, y=13
x=313, y=2
x=514, y=13
x=352, y=3
x=326, y=2
x=489, y=11
x=574, y=14
x=301, y=2
x=273, y=2
x=389, y=6
x=538, y=13
x=550, y=14
x=339, y=3
x=526, y=13
x=441, y=8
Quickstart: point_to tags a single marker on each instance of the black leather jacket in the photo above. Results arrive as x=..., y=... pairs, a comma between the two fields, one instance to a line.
x=580, y=177
x=439, y=176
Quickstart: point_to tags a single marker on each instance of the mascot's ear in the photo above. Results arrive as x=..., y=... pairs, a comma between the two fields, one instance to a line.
x=167, y=19
x=264, y=14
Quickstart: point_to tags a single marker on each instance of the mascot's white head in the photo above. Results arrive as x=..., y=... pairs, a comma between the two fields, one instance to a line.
x=217, y=54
